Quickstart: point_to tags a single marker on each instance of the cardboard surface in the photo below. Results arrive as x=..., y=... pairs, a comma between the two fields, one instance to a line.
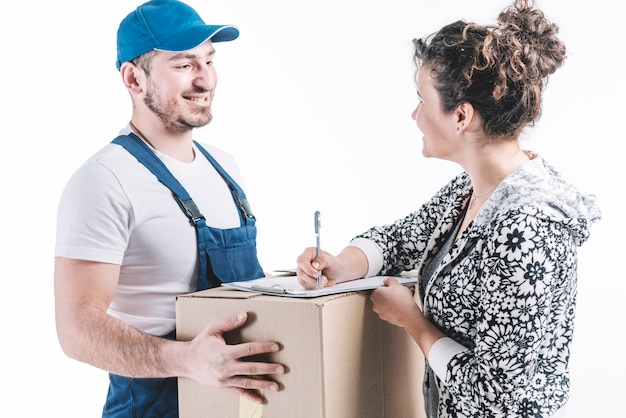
x=342, y=361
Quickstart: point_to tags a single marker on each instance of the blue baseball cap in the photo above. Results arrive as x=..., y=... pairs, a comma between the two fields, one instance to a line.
x=166, y=25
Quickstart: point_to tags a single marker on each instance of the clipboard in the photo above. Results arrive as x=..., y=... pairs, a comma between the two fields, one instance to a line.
x=288, y=286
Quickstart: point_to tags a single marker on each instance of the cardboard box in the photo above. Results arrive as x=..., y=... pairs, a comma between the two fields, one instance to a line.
x=342, y=361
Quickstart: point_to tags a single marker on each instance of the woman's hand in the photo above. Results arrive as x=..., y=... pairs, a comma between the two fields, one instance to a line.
x=350, y=264
x=394, y=302
x=309, y=267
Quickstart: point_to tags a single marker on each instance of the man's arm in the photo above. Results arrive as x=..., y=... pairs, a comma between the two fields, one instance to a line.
x=83, y=292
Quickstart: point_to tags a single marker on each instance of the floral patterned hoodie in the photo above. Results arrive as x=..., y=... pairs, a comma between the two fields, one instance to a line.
x=506, y=289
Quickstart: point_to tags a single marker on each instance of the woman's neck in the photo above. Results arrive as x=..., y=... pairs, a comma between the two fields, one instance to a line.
x=491, y=164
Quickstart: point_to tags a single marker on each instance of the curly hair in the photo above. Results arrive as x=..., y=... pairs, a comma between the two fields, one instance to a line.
x=501, y=70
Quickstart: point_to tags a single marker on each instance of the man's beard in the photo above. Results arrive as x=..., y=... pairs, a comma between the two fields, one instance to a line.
x=172, y=121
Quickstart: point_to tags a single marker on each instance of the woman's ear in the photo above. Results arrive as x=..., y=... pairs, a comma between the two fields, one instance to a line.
x=463, y=116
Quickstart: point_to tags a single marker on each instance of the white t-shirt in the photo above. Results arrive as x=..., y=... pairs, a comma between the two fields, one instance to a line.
x=114, y=210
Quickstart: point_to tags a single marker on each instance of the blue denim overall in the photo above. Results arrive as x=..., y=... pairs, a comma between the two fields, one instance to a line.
x=225, y=255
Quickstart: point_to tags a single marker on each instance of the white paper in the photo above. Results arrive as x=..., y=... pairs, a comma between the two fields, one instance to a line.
x=289, y=286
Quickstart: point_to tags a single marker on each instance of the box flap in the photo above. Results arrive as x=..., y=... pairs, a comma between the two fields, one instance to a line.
x=229, y=293
x=221, y=293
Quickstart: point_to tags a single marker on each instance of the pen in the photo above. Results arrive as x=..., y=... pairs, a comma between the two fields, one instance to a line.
x=318, y=225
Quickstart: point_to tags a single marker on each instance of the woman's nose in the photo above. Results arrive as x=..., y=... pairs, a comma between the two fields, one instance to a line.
x=414, y=114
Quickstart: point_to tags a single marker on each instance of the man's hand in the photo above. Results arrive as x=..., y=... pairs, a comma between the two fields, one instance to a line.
x=212, y=362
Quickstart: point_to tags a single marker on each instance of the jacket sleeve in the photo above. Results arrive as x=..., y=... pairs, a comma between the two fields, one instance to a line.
x=404, y=242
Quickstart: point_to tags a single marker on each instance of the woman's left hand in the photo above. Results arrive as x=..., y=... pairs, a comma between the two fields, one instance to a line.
x=394, y=302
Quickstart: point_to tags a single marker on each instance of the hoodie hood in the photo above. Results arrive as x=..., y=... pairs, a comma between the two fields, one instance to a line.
x=537, y=189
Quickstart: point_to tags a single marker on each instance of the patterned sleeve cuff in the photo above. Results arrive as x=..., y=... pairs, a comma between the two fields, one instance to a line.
x=441, y=353
x=373, y=253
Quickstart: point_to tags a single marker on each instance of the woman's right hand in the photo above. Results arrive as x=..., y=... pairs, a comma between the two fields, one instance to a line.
x=309, y=266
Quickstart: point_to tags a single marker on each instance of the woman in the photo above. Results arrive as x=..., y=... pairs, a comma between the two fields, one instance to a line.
x=495, y=248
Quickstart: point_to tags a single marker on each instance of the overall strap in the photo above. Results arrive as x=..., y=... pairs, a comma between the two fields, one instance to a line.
x=245, y=212
x=140, y=150
x=144, y=155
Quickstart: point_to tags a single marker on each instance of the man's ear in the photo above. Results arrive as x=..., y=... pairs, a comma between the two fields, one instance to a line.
x=132, y=77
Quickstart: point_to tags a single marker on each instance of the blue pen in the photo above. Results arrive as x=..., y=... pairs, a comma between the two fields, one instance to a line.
x=318, y=226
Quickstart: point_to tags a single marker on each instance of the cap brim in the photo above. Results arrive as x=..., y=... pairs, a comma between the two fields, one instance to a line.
x=195, y=36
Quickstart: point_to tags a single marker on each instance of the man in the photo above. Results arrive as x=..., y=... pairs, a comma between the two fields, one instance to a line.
x=125, y=249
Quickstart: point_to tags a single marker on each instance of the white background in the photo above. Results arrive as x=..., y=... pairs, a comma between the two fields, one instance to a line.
x=314, y=101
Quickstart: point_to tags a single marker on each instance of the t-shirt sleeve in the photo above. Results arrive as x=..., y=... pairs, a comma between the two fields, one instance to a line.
x=94, y=216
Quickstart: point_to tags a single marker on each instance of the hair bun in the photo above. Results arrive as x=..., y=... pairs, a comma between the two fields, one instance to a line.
x=531, y=39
